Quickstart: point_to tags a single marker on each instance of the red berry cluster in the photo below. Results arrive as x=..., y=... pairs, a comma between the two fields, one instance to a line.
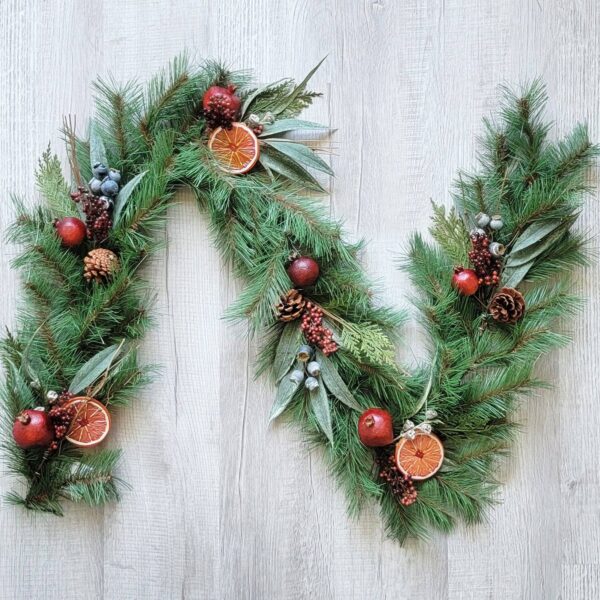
x=61, y=417
x=220, y=110
x=314, y=330
x=258, y=129
x=486, y=265
x=97, y=214
x=401, y=486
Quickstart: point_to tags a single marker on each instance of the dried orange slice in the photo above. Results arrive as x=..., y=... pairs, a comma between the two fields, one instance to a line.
x=236, y=149
x=90, y=424
x=420, y=457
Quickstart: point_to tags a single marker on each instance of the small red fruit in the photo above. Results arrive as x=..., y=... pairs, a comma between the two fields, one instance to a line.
x=375, y=428
x=71, y=231
x=33, y=428
x=465, y=281
x=304, y=271
x=221, y=106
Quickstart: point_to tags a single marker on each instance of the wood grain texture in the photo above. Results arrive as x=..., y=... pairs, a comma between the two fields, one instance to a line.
x=221, y=506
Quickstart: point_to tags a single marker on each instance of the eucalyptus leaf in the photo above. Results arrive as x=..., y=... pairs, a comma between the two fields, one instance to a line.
x=287, y=349
x=531, y=252
x=300, y=154
x=274, y=161
x=124, y=195
x=534, y=233
x=319, y=403
x=285, y=125
x=285, y=392
x=334, y=383
x=97, y=148
x=425, y=394
x=299, y=88
x=512, y=277
x=93, y=368
x=255, y=94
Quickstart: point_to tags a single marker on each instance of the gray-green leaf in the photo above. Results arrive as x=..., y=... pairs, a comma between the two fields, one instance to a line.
x=285, y=125
x=319, y=403
x=534, y=233
x=94, y=368
x=274, y=161
x=285, y=393
x=124, y=195
x=289, y=342
x=531, y=252
x=334, y=383
x=255, y=94
x=97, y=148
x=512, y=277
x=300, y=154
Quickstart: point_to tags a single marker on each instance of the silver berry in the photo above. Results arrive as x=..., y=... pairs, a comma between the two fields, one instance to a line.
x=496, y=222
x=477, y=231
x=109, y=187
x=425, y=427
x=95, y=185
x=297, y=376
x=313, y=368
x=305, y=353
x=497, y=249
x=114, y=175
x=311, y=384
x=430, y=414
x=482, y=219
x=52, y=396
x=99, y=170
x=107, y=202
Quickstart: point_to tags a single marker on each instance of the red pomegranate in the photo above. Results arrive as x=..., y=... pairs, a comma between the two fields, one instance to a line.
x=32, y=428
x=375, y=428
x=304, y=271
x=71, y=231
x=465, y=281
x=221, y=106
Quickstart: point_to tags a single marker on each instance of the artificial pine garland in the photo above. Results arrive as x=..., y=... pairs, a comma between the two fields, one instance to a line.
x=423, y=444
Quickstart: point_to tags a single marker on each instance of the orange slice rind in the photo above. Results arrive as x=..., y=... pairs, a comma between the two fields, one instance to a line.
x=90, y=424
x=421, y=457
x=236, y=149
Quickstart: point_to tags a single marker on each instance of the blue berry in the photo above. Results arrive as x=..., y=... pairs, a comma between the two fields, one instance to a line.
x=114, y=175
x=94, y=185
x=99, y=170
x=109, y=187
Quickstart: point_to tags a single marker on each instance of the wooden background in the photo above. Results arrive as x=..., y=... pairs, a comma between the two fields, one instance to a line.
x=222, y=507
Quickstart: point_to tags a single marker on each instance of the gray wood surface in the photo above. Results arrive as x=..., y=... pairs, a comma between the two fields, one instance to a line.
x=220, y=506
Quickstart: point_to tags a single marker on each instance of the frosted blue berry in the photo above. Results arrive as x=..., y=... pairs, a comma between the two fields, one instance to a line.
x=94, y=185
x=305, y=353
x=114, y=175
x=311, y=384
x=313, y=368
x=99, y=170
x=109, y=187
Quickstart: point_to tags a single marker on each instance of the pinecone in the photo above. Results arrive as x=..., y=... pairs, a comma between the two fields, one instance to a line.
x=507, y=306
x=100, y=264
x=290, y=306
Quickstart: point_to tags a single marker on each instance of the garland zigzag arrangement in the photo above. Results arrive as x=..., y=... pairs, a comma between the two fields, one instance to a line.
x=491, y=286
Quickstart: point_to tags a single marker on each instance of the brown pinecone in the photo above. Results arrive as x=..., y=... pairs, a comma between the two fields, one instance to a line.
x=100, y=264
x=290, y=306
x=507, y=306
